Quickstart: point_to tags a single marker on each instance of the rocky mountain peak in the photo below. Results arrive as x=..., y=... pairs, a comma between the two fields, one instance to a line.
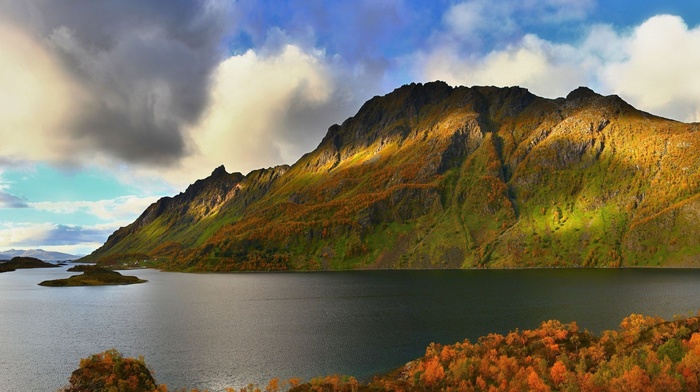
x=219, y=171
x=582, y=93
x=397, y=116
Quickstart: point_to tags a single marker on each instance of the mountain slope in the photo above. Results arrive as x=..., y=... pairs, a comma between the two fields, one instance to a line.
x=431, y=176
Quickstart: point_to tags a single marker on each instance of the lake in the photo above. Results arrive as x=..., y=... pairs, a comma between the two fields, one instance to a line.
x=217, y=330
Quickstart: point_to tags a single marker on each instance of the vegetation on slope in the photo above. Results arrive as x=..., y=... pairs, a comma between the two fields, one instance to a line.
x=431, y=176
x=645, y=354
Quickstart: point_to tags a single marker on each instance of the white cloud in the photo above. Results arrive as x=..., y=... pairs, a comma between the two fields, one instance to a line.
x=534, y=63
x=47, y=236
x=270, y=106
x=660, y=68
x=250, y=98
x=119, y=211
x=16, y=234
x=75, y=239
x=37, y=97
x=653, y=66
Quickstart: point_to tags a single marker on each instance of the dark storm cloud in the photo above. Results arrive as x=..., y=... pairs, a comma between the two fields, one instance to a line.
x=144, y=65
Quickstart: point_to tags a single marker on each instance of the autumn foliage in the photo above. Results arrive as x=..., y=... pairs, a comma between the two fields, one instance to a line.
x=110, y=372
x=645, y=354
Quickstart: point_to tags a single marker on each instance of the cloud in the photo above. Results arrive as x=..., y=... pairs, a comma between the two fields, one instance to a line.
x=659, y=71
x=47, y=236
x=8, y=200
x=149, y=88
x=543, y=67
x=468, y=21
x=142, y=70
x=251, y=96
x=653, y=66
x=36, y=99
x=555, y=11
x=11, y=201
x=144, y=87
x=270, y=106
x=119, y=211
x=71, y=238
x=481, y=23
x=74, y=235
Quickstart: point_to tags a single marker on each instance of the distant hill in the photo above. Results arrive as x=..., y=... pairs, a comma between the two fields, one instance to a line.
x=431, y=176
x=23, y=263
x=38, y=254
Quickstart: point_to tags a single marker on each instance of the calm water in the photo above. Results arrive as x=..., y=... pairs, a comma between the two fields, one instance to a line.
x=212, y=331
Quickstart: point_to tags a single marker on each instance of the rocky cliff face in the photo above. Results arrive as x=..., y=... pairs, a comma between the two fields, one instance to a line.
x=431, y=176
x=181, y=220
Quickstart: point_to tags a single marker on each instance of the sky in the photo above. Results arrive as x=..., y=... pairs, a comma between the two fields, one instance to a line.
x=106, y=106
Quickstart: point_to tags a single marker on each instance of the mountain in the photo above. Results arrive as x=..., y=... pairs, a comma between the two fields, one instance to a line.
x=431, y=176
x=38, y=254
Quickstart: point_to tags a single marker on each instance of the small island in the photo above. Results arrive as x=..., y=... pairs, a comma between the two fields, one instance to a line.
x=23, y=263
x=93, y=276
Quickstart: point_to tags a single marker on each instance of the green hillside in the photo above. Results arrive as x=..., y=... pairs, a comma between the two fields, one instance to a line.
x=431, y=176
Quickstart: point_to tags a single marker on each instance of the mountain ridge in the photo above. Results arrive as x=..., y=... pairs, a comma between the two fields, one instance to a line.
x=434, y=176
x=37, y=253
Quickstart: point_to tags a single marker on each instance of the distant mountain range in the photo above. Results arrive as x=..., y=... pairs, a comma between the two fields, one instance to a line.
x=431, y=176
x=37, y=253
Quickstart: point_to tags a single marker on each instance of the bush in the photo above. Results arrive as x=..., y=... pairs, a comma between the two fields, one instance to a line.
x=110, y=372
